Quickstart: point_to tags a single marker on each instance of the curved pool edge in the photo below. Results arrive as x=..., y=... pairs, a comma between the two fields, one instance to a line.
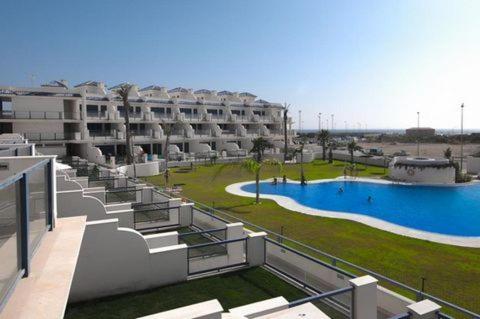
x=291, y=204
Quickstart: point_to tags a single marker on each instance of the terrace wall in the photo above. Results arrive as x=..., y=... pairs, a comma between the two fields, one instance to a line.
x=136, y=266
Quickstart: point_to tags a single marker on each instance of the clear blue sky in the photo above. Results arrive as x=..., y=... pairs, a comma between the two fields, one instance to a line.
x=368, y=62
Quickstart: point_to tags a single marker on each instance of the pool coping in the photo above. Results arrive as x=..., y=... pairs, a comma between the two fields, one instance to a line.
x=291, y=204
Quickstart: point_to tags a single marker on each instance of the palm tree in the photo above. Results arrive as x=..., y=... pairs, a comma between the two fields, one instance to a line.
x=448, y=154
x=299, y=150
x=123, y=91
x=167, y=130
x=259, y=146
x=352, y=147
x=255, y=167
x=323, y=137
x=330, y=152
x=285, y=135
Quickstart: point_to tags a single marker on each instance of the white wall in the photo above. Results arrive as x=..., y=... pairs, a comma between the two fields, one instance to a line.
x=73, y=203
x=429, y=175
x=135, y=266
x=473, y=165
x=142, y=169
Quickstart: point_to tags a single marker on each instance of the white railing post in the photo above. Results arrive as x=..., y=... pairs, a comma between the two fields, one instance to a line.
x=256, y=249
x=364, y=303
x=424, y=309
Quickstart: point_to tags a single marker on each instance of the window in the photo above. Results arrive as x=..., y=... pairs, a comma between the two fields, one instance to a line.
x=9, y=237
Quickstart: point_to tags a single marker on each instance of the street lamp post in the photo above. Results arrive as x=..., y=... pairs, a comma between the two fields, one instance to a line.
x=332, y=121
x=418, y=133
x=319, y=122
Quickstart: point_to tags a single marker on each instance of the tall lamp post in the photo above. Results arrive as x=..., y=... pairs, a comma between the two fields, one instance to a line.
x=332, y=121
x=461, y=138
x=418, y=133
x=319, y=122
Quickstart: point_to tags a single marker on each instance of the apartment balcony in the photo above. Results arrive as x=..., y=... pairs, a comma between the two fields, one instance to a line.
x=105, y=136
x=162, y=116
x=39, y=115
x=98, y=115
x=203, y=133
x=49, y=136
x=218, y=118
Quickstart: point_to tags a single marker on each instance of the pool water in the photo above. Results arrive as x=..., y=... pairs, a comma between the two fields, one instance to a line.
x=445, y=210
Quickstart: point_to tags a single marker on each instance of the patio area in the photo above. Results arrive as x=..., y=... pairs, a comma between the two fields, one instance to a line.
x=231, y=289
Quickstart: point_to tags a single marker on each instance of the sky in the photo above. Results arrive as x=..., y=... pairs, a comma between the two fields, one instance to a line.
x=372, y=64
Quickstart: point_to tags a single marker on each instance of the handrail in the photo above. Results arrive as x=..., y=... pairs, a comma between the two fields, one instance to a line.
x=320, y=296
x=213, y=243
x=207, y=231
x=404, y=315
x=331, y=267
x=155, y=209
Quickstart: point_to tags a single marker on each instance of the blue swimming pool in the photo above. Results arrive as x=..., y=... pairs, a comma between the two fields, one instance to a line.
x=437, y=209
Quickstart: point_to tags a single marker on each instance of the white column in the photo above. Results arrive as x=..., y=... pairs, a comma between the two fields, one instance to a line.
x=424, y=309
x=364, y=296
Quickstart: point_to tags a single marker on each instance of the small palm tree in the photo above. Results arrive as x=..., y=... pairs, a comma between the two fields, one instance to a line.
x=255, y=167
x=330, y=152
x=259, y=146
x=167, y=130
x=448, y=154
x=324, y=137
x=123, y=91
x=352, y=147
x=299, y=150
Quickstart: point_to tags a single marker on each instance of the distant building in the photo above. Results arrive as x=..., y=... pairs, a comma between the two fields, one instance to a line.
x=420, y=131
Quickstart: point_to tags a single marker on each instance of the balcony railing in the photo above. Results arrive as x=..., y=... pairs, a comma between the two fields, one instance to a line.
x=48, y=136
x=34, y=115
x=96, y=114
x=162, y=116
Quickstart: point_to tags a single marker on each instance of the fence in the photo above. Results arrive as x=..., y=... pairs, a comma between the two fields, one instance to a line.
x=348, y=267
x=107, y=182
x=152, y=217
x=217, y=255
x=122, y=195
x=323, y=300
x=26, y=214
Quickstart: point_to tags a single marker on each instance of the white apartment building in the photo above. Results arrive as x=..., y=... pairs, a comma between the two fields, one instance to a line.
x=88, y=119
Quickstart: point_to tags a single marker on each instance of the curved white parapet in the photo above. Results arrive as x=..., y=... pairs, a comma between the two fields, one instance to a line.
x=291, y=204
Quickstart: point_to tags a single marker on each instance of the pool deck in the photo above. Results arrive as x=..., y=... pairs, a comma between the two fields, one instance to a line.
x=291, y=204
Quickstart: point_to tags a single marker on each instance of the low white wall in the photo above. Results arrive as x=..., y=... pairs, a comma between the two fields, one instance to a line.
x=473, y=165
x=74, y=203
x=162, y=239
x=116, y=260
x=429, y=175
x=142, y=169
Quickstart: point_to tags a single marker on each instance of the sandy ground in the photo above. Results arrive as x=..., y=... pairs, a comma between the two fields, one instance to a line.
x=430, y=150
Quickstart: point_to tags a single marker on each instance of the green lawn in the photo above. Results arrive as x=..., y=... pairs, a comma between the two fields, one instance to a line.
x=452, y=273
x=231, y=289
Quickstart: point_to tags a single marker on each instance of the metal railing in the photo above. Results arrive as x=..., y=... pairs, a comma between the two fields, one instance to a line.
x=341, y=264
x=107, y=182
x=203, y=236
x=214, y=256
x=327, y=299
x=122, y=195
x=34, y=115
x=153, y=216
x=48, y=136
